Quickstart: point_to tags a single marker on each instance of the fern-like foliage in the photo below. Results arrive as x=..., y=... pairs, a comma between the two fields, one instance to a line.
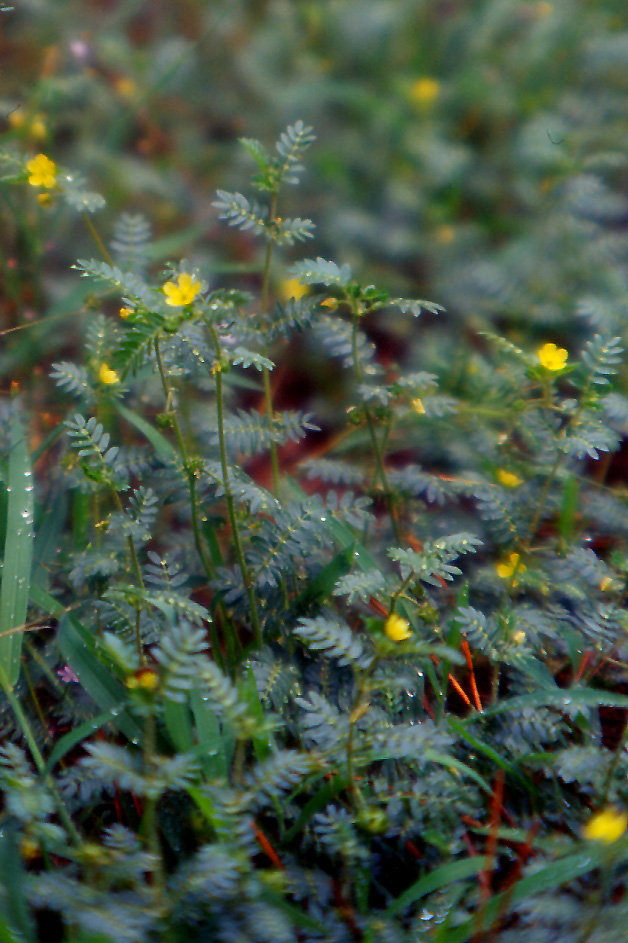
x=100, y=461
x=434, y=563
x=334, y=639
x=131, y=241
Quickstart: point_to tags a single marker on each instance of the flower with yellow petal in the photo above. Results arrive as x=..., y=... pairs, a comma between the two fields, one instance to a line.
x=519, y=637
x=125, y=312
x=42, y=172
x=505, y=569
x=552, y=357
x=397, y=629
x=507, y=479
x=107, y=376
x=183, y=291
x=291, y=288
x=424, y=91
x=606, y=827
x=418, y=407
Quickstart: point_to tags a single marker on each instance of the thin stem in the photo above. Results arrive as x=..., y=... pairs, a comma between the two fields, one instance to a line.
x=246, y=576
x=268, y=398
x=149, y=824
x=360, y=706
x=40, y=763
x=191, y=479
x=377, y=450
x=207, y=566
x=96, y=237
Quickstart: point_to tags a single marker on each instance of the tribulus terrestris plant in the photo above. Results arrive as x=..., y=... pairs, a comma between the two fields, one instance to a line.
x=345, y=691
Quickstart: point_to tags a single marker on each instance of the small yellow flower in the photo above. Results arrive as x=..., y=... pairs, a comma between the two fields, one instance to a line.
x=125, y=312
x=291, y=288
x=552, y=357
x=445, y=234
x=38, y=129
x=107, y=376
x=418, y=407
x=183, y=291
x=42, y=172
x=17, y=118
x=519, y=637
x=125, y=87
x=507, y=479
x=424, y=91
x=397, y=629
x=506, y=569
x=606, y=826
x=145, y=678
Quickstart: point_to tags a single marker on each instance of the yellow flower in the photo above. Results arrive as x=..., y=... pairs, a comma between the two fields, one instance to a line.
x=183, y=291
x=445, y=234
x=606, y=826
x=544, y=9
x=107, y=376
x=397, y=629
x=506, y=570
x=507, y=479
x=41, y=172
x=291, y=288
x=417, y=405
x=424, y=91
x=125, y=312
x=552, y=357
x=38, y=129
x=145, y=678
x=519, y=637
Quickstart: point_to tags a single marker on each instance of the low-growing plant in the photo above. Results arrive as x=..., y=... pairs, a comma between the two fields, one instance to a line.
x=302, y=682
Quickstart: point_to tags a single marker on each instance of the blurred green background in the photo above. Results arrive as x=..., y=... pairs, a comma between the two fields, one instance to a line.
x=472, y=152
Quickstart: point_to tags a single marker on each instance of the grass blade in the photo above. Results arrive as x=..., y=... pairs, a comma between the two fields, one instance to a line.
x=18, y=551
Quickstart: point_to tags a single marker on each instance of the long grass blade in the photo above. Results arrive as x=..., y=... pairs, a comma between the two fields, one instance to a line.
x=18, y=551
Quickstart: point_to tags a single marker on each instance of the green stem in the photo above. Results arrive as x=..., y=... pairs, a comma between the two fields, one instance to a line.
x=102, y=248
x=377, y=450
x=354, y=716
x=29, y=736
x=246, y=576
x=191, y=479
x=149, y=823
x=268, y=397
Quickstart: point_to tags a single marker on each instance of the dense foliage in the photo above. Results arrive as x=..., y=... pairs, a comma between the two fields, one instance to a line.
x=313, y=605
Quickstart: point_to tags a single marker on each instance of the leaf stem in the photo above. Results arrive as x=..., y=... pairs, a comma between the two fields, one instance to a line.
x=246, y=576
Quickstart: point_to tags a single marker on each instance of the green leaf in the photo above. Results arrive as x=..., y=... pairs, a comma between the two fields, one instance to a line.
x=18, y=551
x=438, y=879
x=77, y=646
x=162, y=447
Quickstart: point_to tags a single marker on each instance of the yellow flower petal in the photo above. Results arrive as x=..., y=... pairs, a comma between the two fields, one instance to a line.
x=125, y=312
x=107, y=376
x=507, y=479
x=424, y=91
x=183, y=291
x=291, y=288
x=417, y=405
x=606, y=826
x=552, y=357
x=506, y=569
x=397, y=629
x=42, y=172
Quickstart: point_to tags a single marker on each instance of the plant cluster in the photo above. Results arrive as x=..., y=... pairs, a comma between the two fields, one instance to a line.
x=356, y=697
x=312, y=617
